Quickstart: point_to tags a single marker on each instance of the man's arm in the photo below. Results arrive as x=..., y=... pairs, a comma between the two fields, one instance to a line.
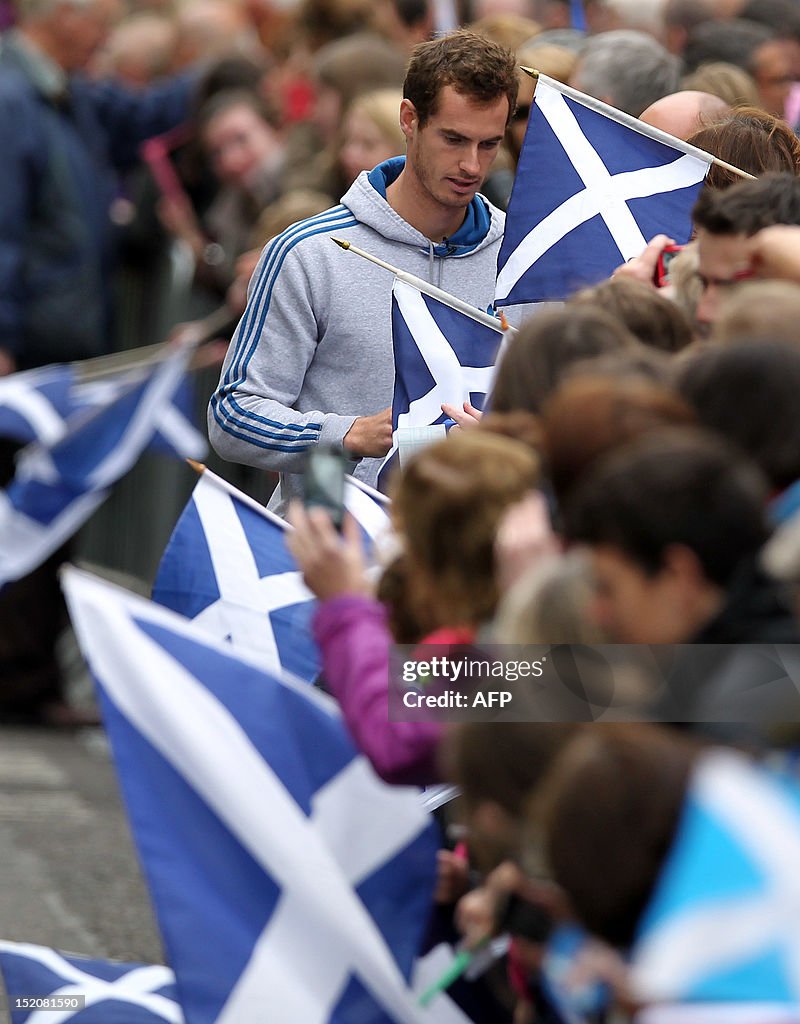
x=251, y=416
x=16, y=145
x=129, y=118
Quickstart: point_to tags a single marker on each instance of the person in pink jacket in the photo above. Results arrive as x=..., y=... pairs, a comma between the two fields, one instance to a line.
x=447, y=508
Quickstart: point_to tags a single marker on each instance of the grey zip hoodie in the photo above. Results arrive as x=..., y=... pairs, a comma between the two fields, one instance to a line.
x=313, y=350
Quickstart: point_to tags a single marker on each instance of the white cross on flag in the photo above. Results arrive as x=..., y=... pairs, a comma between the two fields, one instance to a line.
x=290, y=884
x=108, y=992
x=590, y=192
x=228, y=568
x=440, y=355
x=721, y=927
x=57, y=486
x=38, y=405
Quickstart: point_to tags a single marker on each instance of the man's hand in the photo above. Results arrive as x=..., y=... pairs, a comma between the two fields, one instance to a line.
x=643, y=268
x=775, y=252
x=370, y=437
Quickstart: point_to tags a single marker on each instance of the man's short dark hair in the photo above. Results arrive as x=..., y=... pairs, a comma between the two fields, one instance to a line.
x=672, y=486
x=749, y=206
x=475, y=67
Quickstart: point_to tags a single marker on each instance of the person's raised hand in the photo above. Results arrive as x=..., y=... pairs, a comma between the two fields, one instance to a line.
x=332, y=564
x=643, y=268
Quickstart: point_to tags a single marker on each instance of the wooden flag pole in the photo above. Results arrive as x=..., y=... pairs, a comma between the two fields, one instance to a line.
x=495, y=323
x=633, y=122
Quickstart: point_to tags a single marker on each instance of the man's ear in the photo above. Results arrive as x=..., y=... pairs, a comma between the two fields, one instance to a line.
x=684, y=565
x=409, y=119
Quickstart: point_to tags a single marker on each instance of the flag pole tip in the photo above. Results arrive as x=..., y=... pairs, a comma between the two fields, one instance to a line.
x=198, y=467
x=529, y=71
x=341, y=241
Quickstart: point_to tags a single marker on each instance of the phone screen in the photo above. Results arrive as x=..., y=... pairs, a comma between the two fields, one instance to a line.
x=324, y=482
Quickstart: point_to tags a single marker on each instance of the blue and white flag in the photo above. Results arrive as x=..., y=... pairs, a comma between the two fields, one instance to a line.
x=722, y=923
x=57, y=487
x=38, y=405
x=290, y=884
x=589, y=193
x=228, y=568
x=34, y=404
x=440, y=356
x=105, y=992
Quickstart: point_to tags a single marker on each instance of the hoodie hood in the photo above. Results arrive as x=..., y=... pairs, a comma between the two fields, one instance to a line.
x=366, y=197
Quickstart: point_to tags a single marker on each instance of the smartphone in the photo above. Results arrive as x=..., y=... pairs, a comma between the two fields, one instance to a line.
x=667, y=255
x=323, y=481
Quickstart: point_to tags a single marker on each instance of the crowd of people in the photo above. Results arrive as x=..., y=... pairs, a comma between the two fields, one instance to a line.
x=634, y=478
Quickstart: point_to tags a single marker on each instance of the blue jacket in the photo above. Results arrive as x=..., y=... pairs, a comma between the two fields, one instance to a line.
x=60, y=157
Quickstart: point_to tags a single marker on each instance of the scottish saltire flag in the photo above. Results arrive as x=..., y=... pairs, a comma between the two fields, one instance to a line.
x=589, y=193
x=176, y=434
x=57, y=487
x=110, y=993
x=290, y=884
x=34, y=404
x=722, y=923
x=440, y=355
x=370, y=509
x=228, y=568
x=38, y=405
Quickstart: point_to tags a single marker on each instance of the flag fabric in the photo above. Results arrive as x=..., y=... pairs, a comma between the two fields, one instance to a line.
x=34, y=404
x=57, y=487
x=589, y=193
x=721, y=925
x=440, y=355
x=228, y=568
x=113, y=993
x=38, y=405
x=290, y=884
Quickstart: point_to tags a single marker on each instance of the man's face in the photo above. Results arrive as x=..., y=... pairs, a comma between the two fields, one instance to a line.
x=451, y=155
x=723, y=261
x=635, y=607
x=773, y=75
x=81, y=29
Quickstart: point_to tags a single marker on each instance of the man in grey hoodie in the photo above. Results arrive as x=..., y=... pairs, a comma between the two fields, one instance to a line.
x=311, y=361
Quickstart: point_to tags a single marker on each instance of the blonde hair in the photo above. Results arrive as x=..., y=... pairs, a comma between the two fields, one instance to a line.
x=549, y=605
x=382, y=107
x=555, y=61
x=731, y=83
x=448, y=505
x=760, y=309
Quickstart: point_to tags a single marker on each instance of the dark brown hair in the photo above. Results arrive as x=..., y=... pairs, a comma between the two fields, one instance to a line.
x=752, y=140
x=676, y=485
x=655, y=320
x=587, y=417
x=748, y=207
x=546, y=345
x=475, y=67
x=608, y=811
x=747, y=392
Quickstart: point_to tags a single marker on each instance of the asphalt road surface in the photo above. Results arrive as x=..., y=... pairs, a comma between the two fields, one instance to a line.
x=69, y=877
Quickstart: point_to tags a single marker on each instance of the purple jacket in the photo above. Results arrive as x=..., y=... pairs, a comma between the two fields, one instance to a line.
x=354, y=639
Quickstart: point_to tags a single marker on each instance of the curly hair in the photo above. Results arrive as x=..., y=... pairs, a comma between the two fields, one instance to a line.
x=475, y=67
